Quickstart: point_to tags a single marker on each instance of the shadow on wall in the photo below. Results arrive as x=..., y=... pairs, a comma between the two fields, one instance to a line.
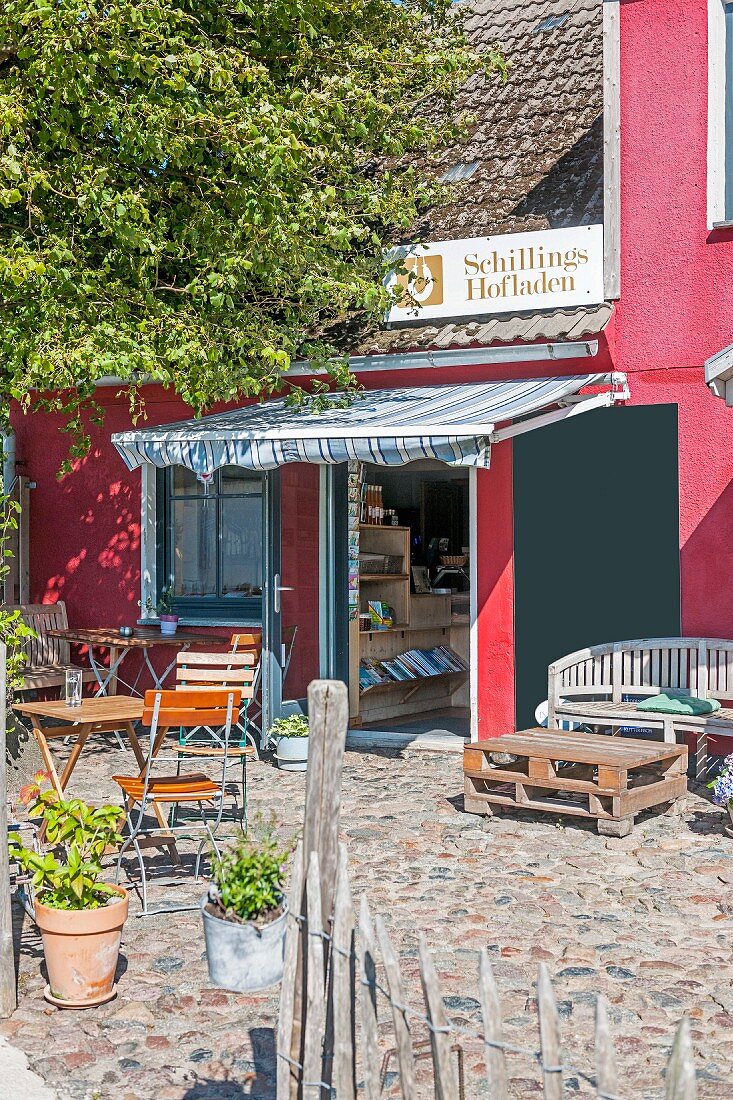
x=706, y=564
x=85, y=532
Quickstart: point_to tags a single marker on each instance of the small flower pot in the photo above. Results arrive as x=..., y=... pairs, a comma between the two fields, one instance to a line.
x=81, y=947
x=243, y=957
x=168, y=625
x=292, y=753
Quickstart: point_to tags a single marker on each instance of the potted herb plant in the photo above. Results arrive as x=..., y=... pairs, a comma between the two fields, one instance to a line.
x=80, y=918
x=291, y=742
x=245, y=911
x=722, y=788
x=164, y=611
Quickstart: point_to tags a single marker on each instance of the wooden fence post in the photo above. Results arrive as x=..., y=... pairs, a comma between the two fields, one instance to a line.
x=606, y=1075
x=549, y=1036
x=8, y=990
x=368, y=999
x=440, y=1040
x=681, y=1080
x=491, y=1011
x=343, y=984
x=403, y=1037
x=328, y=716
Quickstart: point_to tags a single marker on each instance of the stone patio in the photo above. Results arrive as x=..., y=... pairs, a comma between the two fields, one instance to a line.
x=646, y=920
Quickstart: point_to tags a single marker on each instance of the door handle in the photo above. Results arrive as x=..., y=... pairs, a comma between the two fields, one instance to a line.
x=277, y=588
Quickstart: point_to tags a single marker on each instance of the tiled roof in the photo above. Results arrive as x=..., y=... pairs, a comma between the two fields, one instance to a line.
x=538, y=137
x=536, y=154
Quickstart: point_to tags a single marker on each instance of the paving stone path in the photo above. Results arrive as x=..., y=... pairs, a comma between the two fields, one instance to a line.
x=647, y=921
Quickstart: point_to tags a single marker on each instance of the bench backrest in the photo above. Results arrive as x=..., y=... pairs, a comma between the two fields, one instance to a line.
x=42, y=617
x=698, y=666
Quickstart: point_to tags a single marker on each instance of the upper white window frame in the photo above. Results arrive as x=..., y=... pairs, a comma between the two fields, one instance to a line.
x=716, y=179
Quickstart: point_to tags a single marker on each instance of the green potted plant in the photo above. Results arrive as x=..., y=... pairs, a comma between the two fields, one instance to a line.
x=244, y=911
x=164, y=610
x=80, y=918
x=290, y=736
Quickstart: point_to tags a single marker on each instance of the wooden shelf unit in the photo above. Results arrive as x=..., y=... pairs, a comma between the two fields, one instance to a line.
x=423, y=622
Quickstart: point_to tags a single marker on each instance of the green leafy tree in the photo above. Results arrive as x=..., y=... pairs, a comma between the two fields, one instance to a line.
x=192, y=191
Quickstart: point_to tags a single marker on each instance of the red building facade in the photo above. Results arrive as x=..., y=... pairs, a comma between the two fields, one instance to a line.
x=669, y=279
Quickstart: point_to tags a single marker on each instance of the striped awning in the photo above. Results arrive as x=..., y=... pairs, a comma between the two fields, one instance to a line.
x=454, y=424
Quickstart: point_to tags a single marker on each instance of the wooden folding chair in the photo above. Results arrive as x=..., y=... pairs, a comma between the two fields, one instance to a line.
x=174, y=710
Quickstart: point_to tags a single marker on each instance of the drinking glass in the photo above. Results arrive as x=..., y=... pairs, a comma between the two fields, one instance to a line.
x=73, y=687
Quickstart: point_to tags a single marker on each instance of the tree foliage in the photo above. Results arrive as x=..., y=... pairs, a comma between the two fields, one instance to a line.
x=190, y=191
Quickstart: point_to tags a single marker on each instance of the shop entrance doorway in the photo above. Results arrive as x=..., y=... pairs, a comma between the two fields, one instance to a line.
x=410, y=579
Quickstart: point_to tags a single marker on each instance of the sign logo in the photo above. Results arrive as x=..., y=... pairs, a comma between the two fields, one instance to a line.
x=422, y=281
x=480, y=276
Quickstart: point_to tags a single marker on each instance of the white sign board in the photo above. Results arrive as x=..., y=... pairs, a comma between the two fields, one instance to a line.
x=502, y=274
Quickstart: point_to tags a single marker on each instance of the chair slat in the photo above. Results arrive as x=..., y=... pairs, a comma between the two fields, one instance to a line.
x=216, y=660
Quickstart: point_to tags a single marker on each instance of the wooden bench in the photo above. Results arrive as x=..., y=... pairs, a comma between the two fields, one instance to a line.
x=47, y=659
x=598, y=687
x=582, y=774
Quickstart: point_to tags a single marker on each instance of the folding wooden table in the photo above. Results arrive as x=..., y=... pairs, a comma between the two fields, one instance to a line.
x=105, y=714
x=143, y=640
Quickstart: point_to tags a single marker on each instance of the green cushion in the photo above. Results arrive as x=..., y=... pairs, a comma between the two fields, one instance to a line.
x=671, y=703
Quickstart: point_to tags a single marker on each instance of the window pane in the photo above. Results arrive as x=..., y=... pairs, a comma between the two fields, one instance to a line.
x=185, y=483
x=194, y=546
x=235, y=479
x=241, y=545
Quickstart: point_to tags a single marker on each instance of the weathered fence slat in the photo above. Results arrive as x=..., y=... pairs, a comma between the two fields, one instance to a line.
x=368, y=1000
x=8, y=997
x=606, y=1075
x=493, y=1032
x=440, y=1040
x=315, y=1008
x=549, y=1036
x=327, y=719
x=343, y=985
x=681, y=1082
x=285, y=1072
x=403, y=1037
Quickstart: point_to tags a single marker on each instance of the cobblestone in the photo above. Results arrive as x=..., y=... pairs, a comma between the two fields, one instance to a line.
x=645, y=920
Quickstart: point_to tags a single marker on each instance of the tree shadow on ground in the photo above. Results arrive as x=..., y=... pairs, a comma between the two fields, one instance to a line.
x=259, y=1076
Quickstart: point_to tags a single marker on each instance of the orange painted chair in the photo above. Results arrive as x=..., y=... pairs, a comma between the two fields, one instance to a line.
x=165, y=711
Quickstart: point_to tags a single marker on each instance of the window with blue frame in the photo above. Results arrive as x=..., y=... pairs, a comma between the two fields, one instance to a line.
x=210, y=545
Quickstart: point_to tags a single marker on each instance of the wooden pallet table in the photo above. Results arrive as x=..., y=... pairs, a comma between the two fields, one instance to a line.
x=610, y=779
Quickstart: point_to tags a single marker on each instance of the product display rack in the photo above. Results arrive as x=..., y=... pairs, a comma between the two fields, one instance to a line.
x=423, y=622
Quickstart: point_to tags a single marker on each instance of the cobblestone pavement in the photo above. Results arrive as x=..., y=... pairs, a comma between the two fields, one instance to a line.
x=645, y=920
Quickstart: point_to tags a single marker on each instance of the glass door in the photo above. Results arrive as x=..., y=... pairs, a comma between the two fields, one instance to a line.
x=305, y=614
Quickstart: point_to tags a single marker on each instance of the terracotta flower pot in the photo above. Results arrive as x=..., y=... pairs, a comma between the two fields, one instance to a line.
x=81, y=947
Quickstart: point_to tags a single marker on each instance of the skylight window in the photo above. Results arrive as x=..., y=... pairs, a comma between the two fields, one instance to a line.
x=462, y=171
x=552, y=22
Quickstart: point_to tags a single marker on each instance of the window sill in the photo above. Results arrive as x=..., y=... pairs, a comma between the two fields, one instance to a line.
x=221, y=621
x=723, y=225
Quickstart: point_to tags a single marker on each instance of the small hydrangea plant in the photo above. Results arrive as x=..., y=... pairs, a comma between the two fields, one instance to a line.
x=296, y=725
x=722, y=787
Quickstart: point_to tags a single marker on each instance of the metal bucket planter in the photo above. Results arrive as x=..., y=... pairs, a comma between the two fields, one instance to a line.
x=168, y=625
x=241, y=957
x=292, y=753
